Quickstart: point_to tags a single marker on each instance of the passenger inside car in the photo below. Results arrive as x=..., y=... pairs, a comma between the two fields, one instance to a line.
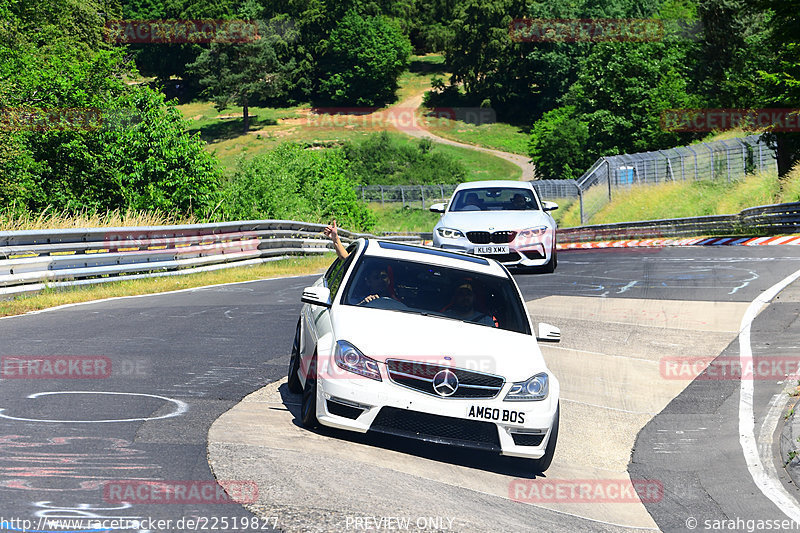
x=463, y=306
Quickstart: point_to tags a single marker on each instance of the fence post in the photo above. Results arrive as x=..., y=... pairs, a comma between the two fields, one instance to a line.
x=695, y=161
x=580, y=199
x=422, y=193
x=362, y=194
x=441, y=187
x=403, y=195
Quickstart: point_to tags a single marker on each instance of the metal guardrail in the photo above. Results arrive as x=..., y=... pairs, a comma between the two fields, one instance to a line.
x=32, y=260
x=762, y=220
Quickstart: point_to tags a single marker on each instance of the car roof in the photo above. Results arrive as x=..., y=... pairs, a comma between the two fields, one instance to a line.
x=434, y=256
x=495, y=183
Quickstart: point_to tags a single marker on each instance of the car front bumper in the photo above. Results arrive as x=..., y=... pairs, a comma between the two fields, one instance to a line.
x=362, y=405
x=529, y=254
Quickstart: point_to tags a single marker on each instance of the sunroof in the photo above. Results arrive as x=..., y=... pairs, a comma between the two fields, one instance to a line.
x=431, y=251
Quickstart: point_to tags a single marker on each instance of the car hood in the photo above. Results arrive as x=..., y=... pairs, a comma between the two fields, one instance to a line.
x=382, y=334
x=498, y=220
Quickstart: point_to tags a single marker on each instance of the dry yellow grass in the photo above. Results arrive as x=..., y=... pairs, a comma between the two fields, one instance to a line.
x=14, y=220
x=54, y=297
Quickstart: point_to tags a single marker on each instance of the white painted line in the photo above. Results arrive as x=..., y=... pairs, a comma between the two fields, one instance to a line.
x=181, y=407
x=766, y=481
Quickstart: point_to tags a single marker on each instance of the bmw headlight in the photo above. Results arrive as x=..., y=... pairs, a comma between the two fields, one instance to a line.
x=532, y=389
x=532, y=233
x=349, y=358
x=449, y=233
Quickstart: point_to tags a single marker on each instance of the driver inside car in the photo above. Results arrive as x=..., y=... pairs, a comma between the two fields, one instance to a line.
x=376, y=281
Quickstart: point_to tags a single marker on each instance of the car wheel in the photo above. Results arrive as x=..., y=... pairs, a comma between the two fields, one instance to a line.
x=543, y=463
x=551, y=265
x=294, y=365
x=308, y=408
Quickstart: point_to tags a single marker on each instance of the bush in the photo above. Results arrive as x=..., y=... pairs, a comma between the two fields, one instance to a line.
x=296, y=184
x=558, y=145
x=382, y=160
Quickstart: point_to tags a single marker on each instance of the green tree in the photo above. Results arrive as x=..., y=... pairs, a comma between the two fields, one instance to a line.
x=781, y=78
x=239, y=73
x=558, y=145
x=365, y=56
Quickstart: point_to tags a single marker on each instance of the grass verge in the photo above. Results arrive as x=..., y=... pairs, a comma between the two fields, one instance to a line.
x=683, y=199
x=395, y=217
x=53, y=297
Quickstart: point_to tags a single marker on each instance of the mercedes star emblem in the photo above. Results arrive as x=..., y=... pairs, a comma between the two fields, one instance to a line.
x=445, y=383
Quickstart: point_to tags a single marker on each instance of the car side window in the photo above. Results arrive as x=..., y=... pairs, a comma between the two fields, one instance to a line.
x=335, y=273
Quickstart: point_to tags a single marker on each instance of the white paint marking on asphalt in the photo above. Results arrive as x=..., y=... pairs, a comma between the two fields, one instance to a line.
x=181, y=408
x=626, y=287
x=767, y=482
x=745, y=282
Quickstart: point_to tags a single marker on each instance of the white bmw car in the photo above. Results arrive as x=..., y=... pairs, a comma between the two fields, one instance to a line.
x=424, y=343
x=503, y=220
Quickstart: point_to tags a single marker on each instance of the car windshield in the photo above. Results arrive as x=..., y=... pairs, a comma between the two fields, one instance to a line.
x=494, y=199
x=430, y=290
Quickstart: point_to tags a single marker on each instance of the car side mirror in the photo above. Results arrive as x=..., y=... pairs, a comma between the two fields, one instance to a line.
x=317, y=296
x=549, y=206
x=437, y=208
x=548, y=333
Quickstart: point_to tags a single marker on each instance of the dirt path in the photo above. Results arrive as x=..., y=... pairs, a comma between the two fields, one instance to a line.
x=404, y=119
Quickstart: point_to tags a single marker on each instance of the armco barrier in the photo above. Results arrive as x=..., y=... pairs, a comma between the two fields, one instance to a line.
x=755, y=221
x=31, y=260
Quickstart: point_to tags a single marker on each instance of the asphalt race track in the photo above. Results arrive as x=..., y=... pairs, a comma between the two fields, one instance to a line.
x=159, y=396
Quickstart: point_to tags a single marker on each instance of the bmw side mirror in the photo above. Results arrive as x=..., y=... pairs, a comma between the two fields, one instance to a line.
x=317, y=296
x=549, y=206
x=548, y=333
x=437, y=208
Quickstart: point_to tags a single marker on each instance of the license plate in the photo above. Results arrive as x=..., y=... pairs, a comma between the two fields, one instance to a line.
x=493, y=249
x=495, y=414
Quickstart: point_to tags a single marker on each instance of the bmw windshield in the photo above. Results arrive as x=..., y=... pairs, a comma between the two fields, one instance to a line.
x=431, y=290
x=495, y=199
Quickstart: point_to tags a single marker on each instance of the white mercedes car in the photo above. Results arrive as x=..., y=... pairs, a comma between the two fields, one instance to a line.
x=503, y=220
x=425, y=343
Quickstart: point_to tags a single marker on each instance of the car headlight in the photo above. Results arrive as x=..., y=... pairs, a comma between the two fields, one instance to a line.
x=449, y=233
x=349, y=358
x=532, y=389
x=531, y=233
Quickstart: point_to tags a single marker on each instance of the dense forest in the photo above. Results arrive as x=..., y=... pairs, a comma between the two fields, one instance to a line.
x=78, y=131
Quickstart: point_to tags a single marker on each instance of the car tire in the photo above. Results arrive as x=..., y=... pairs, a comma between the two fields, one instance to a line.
x=551, y=265
x=543, y=463
x=293, y=382
x=308, y=407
